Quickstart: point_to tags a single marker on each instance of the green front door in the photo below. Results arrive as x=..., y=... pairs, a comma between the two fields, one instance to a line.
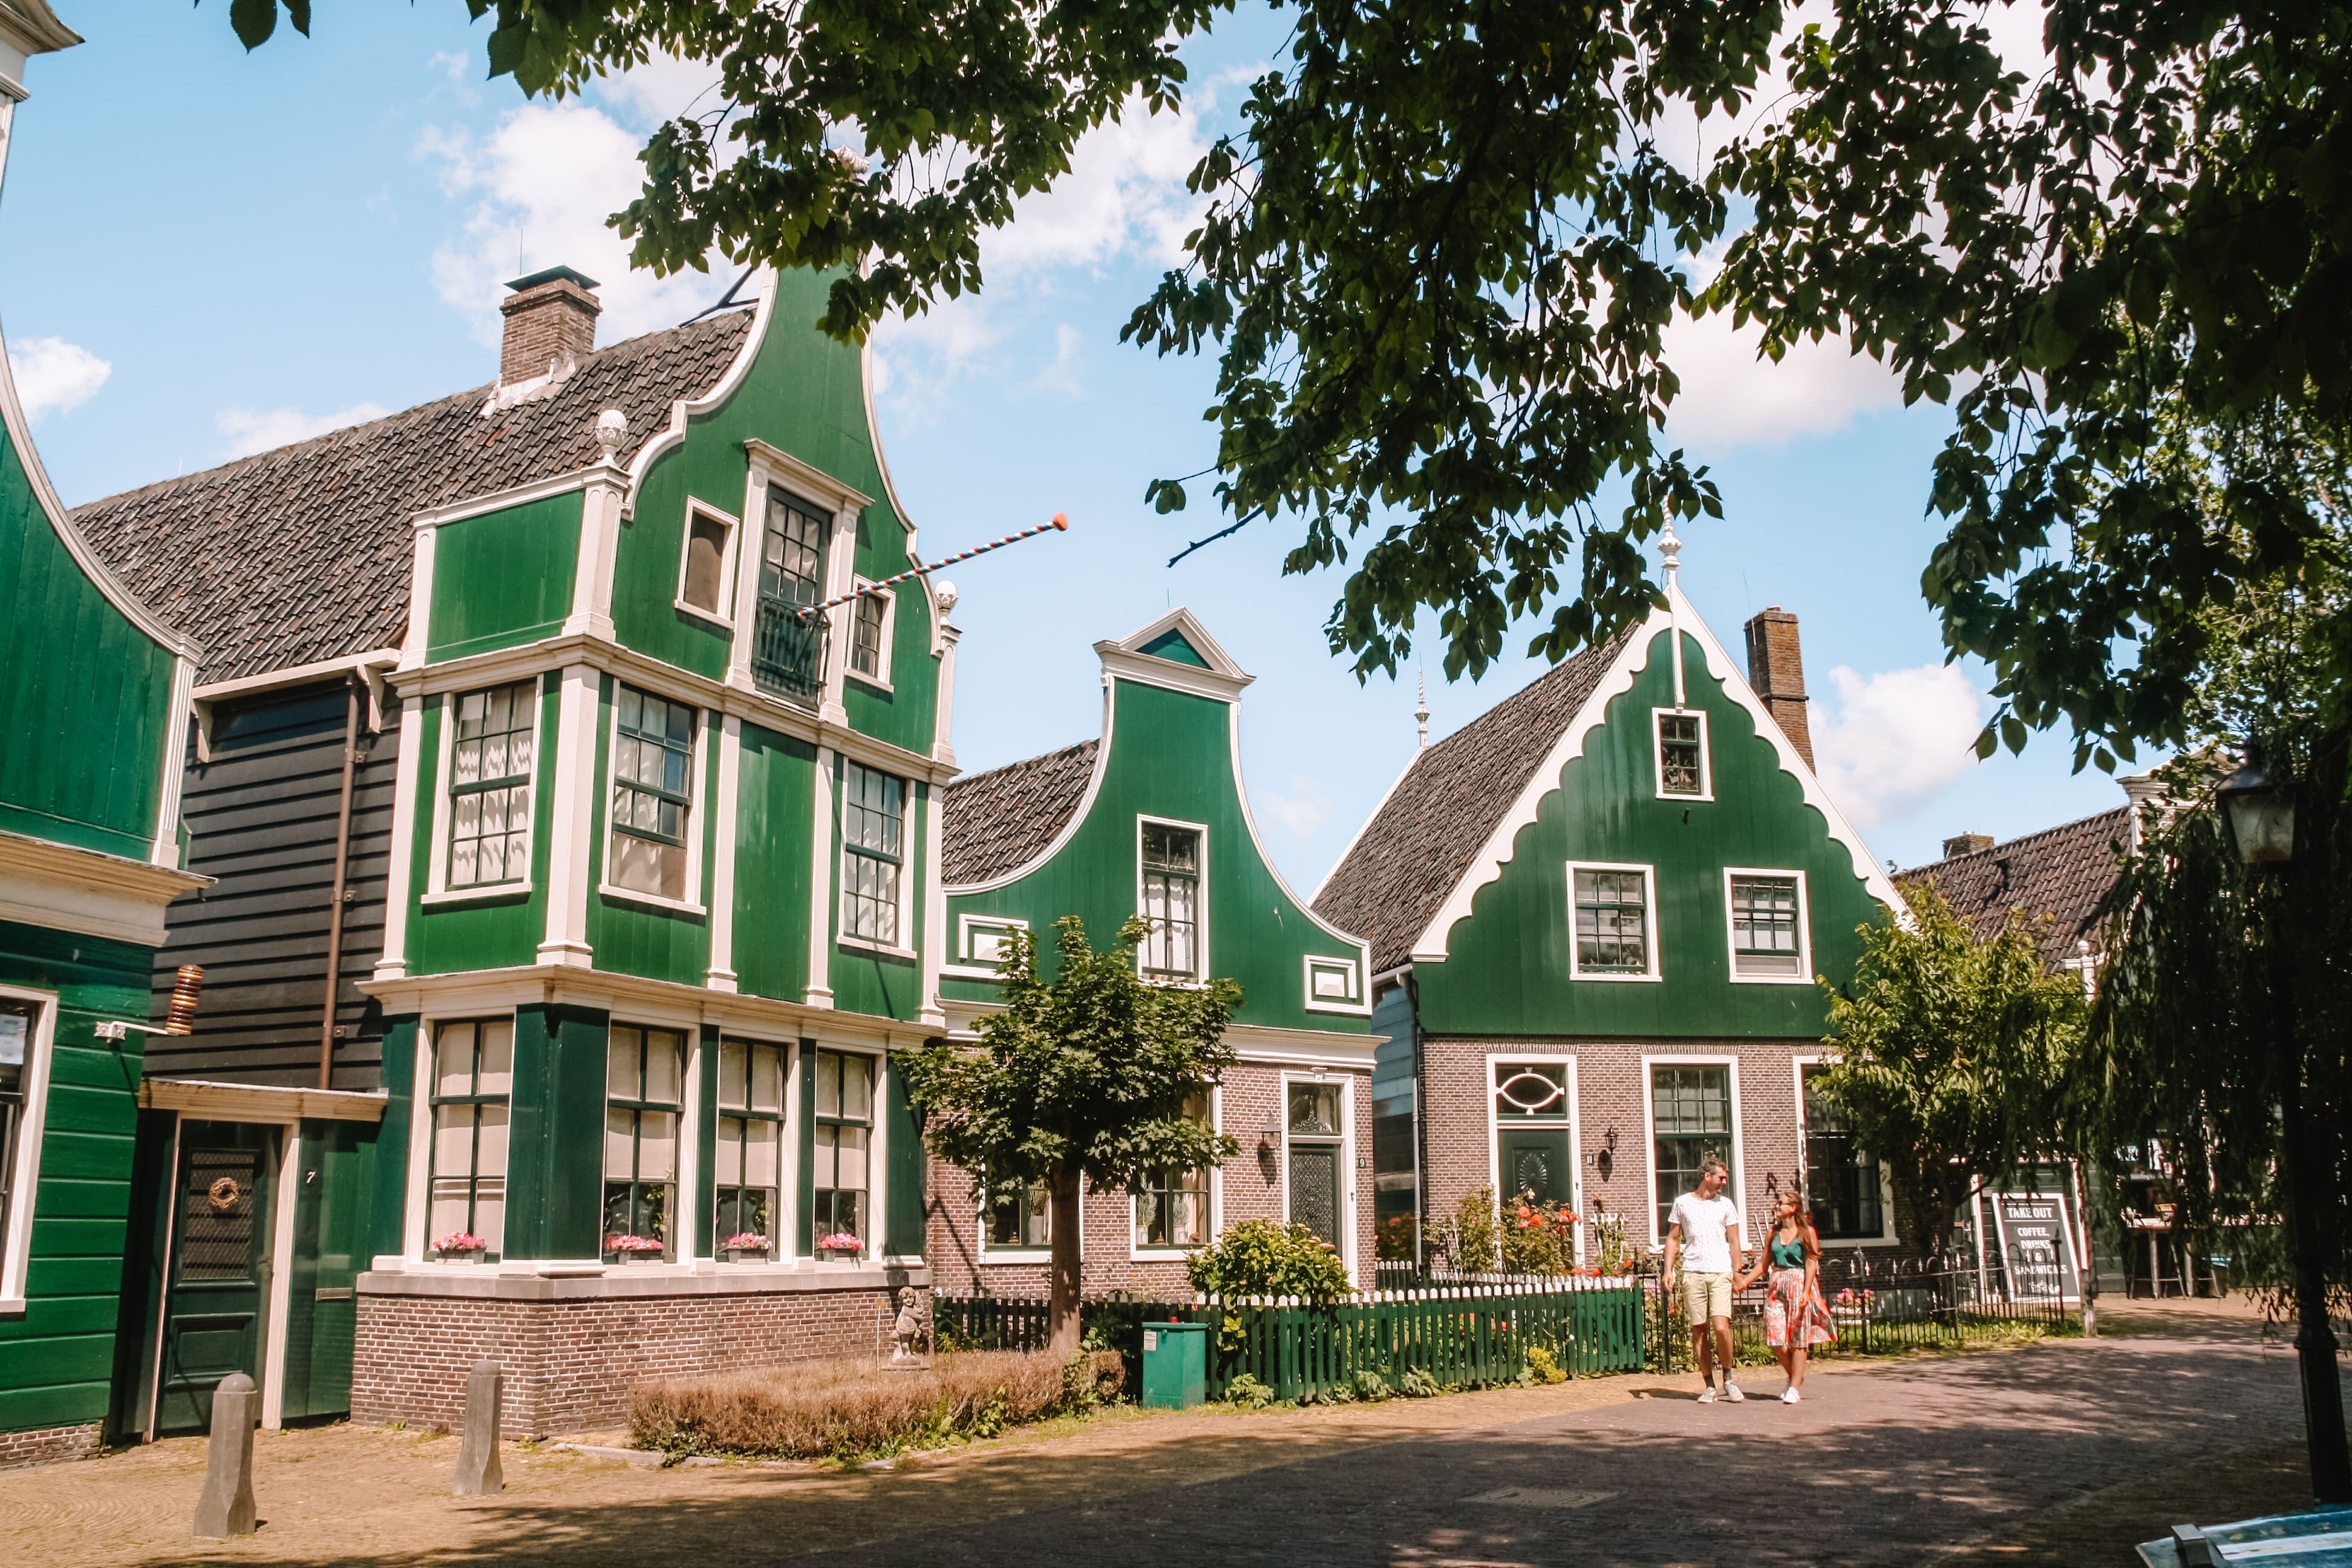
x=216, y=1301
x=1535, y=1160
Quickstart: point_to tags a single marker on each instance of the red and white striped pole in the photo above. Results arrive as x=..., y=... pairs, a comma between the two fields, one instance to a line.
x=1059, y=524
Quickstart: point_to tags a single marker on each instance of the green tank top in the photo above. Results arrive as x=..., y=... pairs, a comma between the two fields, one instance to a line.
x=1787, y=1254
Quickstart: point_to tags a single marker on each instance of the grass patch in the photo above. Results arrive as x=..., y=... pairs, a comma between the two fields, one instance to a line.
x=852, y=1413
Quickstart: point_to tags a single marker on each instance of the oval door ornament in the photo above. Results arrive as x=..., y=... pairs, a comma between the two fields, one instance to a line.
x=222, y=1194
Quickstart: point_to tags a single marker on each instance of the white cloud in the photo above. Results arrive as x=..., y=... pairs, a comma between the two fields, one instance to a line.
x=53, y=375
x=1729, y=398
x=1061, y=375
x=1302, y=812
x=451, y=63
x=251, y=430
x=1896, y=738
x=541, y=185
x=664, y=87
x=1124, y=195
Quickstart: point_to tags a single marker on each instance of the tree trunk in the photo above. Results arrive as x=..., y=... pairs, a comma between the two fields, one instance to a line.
x=2322, y=1398
x=1063, y=1303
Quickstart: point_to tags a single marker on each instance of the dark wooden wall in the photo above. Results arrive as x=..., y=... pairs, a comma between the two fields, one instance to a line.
x=260, y=816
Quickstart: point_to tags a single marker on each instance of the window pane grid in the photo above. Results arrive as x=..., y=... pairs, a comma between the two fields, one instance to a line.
x=844, y=1106
x=873, y=831
x=1842, y=1181
x=645, y=1075
x=1172, y=894
x=1172, y=1208
x=1612, y=922
x=792, y=560
x=653, y=764
x=1690, y=1111
x=1681, y=764
x=490, y=784
x=750, y=1145
x=473, y=1069
x=1764, y=925
x=865, y=636
x=1026, y=1219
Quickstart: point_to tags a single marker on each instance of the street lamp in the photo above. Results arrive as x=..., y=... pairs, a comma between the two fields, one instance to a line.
x=2259, y=811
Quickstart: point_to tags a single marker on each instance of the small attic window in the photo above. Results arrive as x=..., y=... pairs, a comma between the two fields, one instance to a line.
x=1682, y=755
x=702, y=583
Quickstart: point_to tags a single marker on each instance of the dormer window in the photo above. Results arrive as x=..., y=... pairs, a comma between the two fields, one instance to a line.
x=1682, y=755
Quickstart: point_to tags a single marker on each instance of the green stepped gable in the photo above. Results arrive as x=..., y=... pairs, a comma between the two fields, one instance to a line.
x=94, y=710
x=1597, y=915
x=1153, y=818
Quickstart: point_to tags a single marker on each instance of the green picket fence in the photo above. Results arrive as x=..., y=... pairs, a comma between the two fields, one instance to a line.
x=1458, y=1335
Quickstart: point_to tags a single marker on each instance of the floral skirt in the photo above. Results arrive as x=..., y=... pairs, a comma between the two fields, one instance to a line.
x=1789, y=1304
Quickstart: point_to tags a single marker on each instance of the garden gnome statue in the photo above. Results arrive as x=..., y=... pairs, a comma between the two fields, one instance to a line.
x=907, y=1335
x=225, y=1507
x=478, y=1472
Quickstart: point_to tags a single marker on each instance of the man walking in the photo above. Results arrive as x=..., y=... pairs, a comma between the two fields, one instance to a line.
x=1705, y=1235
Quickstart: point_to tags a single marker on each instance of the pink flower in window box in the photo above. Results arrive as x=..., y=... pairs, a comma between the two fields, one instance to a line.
x=461, y=1246
x=840, y=1244
x=744, y=1242
x=636, y=1249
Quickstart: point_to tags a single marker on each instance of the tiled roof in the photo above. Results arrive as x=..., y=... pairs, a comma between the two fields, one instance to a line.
x=1419, y=844
x=995, y=822
x=302, y=554
x=2062, y=872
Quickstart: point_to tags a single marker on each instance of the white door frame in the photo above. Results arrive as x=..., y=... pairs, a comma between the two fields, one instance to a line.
x=1575, y=1131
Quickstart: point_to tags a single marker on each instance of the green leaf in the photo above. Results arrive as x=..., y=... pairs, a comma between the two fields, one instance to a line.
x=253, y=21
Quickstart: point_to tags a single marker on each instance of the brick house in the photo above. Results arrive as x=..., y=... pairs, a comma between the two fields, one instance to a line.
x=1596, y=915
x=1153, y=816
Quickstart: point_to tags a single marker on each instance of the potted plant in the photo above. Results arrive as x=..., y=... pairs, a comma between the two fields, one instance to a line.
x=461, y=1246
x=744, y=1246
x=637, y=1248
x=840, y=1244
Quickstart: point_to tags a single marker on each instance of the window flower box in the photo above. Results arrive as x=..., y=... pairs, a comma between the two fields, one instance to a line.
x=638, y=1249
x=744, y=1247
x=461, y=1246
x=839, y=1246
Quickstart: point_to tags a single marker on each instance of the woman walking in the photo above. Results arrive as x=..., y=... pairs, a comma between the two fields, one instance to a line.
x=1795, y=1319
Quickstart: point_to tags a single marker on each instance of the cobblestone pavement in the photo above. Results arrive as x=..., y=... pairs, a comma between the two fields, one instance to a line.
x=2058, y=1454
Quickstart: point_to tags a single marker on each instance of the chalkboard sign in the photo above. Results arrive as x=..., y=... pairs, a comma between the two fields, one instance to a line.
x=2037, y=1246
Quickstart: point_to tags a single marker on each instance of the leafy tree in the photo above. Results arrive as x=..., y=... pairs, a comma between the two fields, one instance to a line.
x=1082, y=1077
x=1950, y=1055
x=1268, y=1257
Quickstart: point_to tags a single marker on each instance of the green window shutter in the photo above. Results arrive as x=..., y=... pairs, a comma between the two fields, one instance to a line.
x=902, y=1229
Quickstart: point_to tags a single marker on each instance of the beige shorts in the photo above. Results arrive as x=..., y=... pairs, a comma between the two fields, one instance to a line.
x=1706, y=1296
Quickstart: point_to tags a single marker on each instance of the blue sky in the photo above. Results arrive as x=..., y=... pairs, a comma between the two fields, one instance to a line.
x=207, y=253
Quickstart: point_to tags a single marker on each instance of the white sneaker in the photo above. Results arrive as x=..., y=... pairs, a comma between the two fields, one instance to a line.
x=1731, y=1392
x=1706, y=1395
x=1790, y=1396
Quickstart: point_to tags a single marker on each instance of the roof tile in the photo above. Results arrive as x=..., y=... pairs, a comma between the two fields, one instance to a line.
x=2064, y=872
x=998, y=821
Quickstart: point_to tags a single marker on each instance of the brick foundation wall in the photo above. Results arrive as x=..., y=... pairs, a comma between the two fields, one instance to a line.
x=1612, y=1092
x=46, y=1445
x=571, y=1361
x=1248, y=1186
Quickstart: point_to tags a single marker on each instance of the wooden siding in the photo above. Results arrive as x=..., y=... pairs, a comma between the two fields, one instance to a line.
x=261, y=818
x=504, y=578
x=776, y=791
x=87, y=703
x=56, y=1360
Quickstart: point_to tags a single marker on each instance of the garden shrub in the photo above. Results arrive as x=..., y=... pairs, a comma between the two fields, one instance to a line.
x=1372, y=1387
x=827, y=1410
x=1248, y=1392
x=1418, y=1384
x=1538, y=1237
x=1547, y=1368
x=1474, y=1232
x=1265, y=1258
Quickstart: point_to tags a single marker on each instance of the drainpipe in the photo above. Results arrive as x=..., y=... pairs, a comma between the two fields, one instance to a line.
x=342, y=893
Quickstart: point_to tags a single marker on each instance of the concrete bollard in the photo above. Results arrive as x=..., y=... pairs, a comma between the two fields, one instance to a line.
x=478, y=1474
x=225, y=1507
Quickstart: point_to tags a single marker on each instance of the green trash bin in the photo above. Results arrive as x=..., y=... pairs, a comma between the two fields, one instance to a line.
x=1175, y=1365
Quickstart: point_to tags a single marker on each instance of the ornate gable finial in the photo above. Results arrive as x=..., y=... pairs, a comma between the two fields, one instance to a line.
x=1421, y=709
x=1670, y=551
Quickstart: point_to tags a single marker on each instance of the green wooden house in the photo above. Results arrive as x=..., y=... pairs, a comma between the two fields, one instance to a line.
x=577, y=875
x=92, y=713
x=1597, y=913
x=1153, y=818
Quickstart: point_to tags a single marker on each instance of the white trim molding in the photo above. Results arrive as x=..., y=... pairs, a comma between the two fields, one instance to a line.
x=722, y=613
x=1350, y=999
x=1658, y=717
x=437, y=891
x=1574, y=1126
x=25, y=1181
x=1202, y=968
x=1650, y=934
x=1804, y=975
x=66, y=887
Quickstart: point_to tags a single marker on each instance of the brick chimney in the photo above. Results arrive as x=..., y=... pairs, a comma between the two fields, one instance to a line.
x=1966, y=844
x=550, y=322
x=1777, y=670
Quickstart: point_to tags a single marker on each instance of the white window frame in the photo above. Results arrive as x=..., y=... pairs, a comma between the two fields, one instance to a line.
x=1804, y=975
x=1658, y=753
x=40, y=1048
x=436, y=874
x=788, y=1159
x=1216, y=1199
x=987, y=1252
x=1886, y=1237
x=1649, y=1139
x=697, y=781
x=1354, y=1004
x=1575, y=1131
x=1201, y=969
x=721, y=613
x=1651, y=941
x=1347, y=1082
x=908, y=871
x=880, y=679
x=964, y=966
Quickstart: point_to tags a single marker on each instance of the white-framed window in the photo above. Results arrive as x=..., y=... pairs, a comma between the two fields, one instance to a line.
x=843, y=1132
x=492, y=746
x=705, y=564
x=873, y=854
x=1684, y=769
x=1021, y=1223
x=1172, y=1209
x=1851, y=1201
x=1770, y=928
x=1691, y=1109
x=1613, y=922
x=1334, y=985
x=649, y=851
x=473, y=1077
x=29, y=1021
x=873, y=619
x=1171, y=863
x=983, y=941
x=1318, y=1168
x=644, y=1102
x=747, y=1159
